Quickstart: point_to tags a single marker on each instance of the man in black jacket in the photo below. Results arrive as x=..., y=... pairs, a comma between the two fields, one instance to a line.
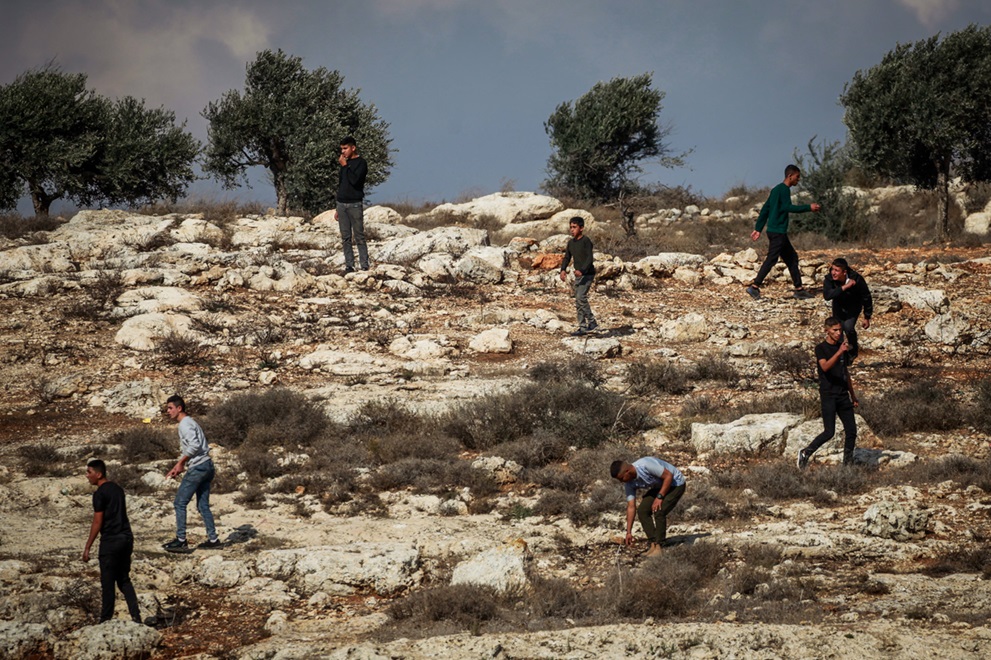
x=350, y=201
x=848, y=291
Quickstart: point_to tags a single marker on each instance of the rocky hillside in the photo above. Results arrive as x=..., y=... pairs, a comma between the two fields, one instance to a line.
x=413, y=460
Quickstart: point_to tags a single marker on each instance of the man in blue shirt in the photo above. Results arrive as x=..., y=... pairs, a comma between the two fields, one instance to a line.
x=665, y=485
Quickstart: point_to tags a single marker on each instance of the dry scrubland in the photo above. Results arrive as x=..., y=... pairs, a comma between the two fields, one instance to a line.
x=389, y=488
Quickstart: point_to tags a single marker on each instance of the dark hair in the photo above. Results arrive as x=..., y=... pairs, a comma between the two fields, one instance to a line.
x=792, y=169
x=830, y=322
x=841, y=262
x=349, y=140
x=177, y=400
x=98, y=466
x=577, y=220
x=615, y=468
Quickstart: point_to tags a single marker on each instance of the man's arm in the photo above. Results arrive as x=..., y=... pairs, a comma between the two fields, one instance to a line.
x=849, y=386
x=567, y=260
x=765, y=212
x=826, y=365
x=178, y=468
x=665, y=488
x=868, y=301
x=94, y=530
x=631, y=514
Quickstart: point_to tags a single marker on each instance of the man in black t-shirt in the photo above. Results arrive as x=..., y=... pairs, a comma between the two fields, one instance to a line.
x=116, y=541
x=835, y=392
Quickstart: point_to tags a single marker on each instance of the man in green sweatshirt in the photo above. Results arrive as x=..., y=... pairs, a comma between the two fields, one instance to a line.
x=774, y=214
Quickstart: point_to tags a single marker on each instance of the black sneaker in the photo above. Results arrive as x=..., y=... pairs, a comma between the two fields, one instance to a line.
x=803, y=460
x=175, y=545
x=580, y=332
x=803, y=294
x=754, y=292
x=211, y=545
x=592, y=326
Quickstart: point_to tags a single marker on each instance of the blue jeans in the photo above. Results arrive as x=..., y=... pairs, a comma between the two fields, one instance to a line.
x=351, y=222
x=197, y=480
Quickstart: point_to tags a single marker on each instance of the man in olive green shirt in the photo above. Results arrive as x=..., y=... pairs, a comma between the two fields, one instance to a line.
x=774, y=214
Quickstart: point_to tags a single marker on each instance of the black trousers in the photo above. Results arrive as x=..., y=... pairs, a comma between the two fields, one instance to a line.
x=834, y=405
x=778, y=246
x=850, y=332
x=115, y=571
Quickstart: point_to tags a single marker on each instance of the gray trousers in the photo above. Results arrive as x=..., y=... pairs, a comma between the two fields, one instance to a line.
x=351, y=222
x=582, y=285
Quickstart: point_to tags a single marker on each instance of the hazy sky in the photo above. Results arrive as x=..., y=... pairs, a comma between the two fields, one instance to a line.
x=466, y=85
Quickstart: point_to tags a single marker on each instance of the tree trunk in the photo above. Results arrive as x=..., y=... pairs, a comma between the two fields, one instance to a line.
x=281, y=194
x=42, y=201
x=943, y=202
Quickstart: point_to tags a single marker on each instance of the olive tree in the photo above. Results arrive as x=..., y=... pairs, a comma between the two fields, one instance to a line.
x=824, y=169
x=290, y=121
x=599, y=141
x=923, y=114
x=59, y=140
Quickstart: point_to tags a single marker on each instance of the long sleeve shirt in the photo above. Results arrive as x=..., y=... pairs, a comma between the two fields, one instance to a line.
x=848, y=304
x=775, y=211
x=351, y=183
x=581, y=251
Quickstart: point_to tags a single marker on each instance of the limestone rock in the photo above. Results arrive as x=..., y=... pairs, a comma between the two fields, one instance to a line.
x=506, y=207
x=749, y=434
x=215, y=571
x=112, y=640
x=949, y=329
x=454, y=241
x=891, y=520
x=143, y=332
x=664, y=264
x=343, y=570
x=502, y=568
x=504, y=470
x=494, y=340
x=595, y=347
x=17, y=639
x=691, y=327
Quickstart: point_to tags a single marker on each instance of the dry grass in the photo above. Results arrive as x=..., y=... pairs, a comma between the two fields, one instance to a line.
x=145, y=443
x=923, y=405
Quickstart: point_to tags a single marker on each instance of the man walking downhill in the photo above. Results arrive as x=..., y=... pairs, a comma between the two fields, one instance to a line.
x=350, y=199
x=835, y=392
x=848, y=291
x=116, y=542
x=774, y=214
x=194, y=457
x=665, y=485
x=579, y=248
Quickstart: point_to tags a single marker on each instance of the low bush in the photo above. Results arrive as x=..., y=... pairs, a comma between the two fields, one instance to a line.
x=146, y=443
x=979, y=413
x=433, y=476
x=467, y=605
x=924, y=405
x=41, y=460
x=533, y=451
x=961, y=560
x=963, y=470
x=659, y=377
x=711, y=367
x=180, y=349
x=797, y=363
x=581, y=415
x=13, y=225
x=580, y=369
x=294, y=419
x=556, y=597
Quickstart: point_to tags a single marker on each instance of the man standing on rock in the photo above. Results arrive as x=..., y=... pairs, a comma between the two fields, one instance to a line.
x=194, y=457
x=835, y=392
x=774, y=214
x=116, y=542
x=850, y=295
x=665, y=485
x=579, y=248
x=350, y=199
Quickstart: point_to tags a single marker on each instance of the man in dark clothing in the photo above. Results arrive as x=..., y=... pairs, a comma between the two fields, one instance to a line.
x=116, y=542
x=350, y=196
x=579, y=248
x=774, y=214
x=850, y=295
x=835, y=392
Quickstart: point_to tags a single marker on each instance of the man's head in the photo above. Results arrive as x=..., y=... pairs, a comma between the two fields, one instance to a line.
x=96, y=471
x=838, y=269
x=622, y=471
x=834, y=330
x=348, y=147
x=576, y=226
x=175, y=406
x=792, y=175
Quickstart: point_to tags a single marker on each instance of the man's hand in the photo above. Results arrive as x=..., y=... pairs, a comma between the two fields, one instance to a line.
x=844, y=347
x=866, y=323
x=335, y=214
x=564, y=275
x=815, y=207
x=174, y=472
x=754, y=235
x=656, y=505
x=856, y=402
x=849, y=284
x=629, y=539
x=86, y=554
x=342, y=160
x=578, y=274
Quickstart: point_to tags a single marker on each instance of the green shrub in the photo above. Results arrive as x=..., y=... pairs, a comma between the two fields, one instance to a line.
x=659, y=377
x=293, y=420
x=924, y=405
